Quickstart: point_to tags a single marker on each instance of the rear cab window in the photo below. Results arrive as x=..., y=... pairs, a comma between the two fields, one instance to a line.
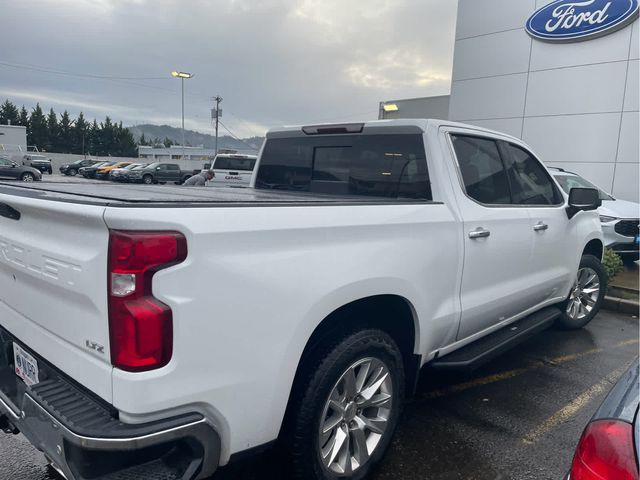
x=231, y=163
x=381, y=165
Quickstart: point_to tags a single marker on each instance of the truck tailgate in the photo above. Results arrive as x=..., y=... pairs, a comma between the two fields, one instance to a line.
x=53, y=285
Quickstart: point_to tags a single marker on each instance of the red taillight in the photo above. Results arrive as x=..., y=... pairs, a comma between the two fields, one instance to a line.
x=140, y=326
x=605, y=452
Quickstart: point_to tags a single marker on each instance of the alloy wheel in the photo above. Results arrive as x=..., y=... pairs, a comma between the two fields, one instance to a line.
x=27, y=177
x=584, y=295
x=356, y=416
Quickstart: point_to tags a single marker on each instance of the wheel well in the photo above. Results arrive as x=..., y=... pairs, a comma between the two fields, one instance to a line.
x=595, y=248
x=390, y=313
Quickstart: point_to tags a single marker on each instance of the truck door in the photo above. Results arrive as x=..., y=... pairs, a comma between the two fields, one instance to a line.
x=172, y=173
x=555, y=258
x=497, y=235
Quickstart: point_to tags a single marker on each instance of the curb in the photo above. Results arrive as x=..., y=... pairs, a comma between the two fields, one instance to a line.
x=621, y=305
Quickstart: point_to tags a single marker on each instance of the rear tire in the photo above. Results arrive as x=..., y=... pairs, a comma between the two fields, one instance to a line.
x=345, y=409
x=587, y=294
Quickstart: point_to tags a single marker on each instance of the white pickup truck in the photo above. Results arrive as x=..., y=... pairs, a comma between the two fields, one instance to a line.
x=160, y=332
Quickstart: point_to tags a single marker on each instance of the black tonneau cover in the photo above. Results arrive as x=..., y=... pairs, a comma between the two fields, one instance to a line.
x=179, y=196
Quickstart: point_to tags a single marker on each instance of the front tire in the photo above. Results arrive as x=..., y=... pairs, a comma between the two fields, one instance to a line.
x=147, y=179
x=587, y=294
x=344, y=412
x=73, y=172
x=27, y=177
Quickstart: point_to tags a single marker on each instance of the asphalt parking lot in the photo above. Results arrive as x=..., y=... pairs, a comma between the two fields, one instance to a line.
x=519, y=417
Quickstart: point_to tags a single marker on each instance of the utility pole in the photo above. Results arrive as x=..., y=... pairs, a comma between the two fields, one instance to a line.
x=216, y=113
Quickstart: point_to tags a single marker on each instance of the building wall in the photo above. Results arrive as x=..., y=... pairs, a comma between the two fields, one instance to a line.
x=576, y=103
x=426, y=107
x=13, y=138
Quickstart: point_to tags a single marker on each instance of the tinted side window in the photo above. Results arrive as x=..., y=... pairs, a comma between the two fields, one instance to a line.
x=483, y=173
x=530, y=182
x=370, y=165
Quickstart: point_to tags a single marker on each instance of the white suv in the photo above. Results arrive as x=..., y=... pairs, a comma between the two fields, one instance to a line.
x=619, y=218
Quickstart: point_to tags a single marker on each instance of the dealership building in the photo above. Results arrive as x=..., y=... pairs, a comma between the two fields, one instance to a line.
x=561, y=75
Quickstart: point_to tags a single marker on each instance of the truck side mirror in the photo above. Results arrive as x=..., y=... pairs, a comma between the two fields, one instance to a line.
x=583, y=199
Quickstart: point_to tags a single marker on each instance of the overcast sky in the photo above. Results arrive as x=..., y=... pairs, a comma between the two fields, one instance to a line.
x=274, y=62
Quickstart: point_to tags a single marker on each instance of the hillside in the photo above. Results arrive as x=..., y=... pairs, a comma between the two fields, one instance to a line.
x=193, y=138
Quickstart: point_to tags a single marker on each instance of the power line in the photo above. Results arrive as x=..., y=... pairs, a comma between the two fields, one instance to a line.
x=38, y=68
x=123, y=80
x=235, y=137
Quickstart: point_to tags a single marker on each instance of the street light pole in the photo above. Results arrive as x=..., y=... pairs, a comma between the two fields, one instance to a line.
x=182, y=82
x=182, y=76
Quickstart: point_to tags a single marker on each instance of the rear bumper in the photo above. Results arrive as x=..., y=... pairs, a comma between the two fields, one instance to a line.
x=83, y=438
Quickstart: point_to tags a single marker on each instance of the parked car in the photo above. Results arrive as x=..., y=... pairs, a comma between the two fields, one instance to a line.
x=159, y=173
x=90, y=172
x=39, y=162
x=119, y=174
x=620, y=219
x=10, y=169
x=103, y=172
x=72, y=169
x=355, y=259
x=232, y=169
x=610, y=445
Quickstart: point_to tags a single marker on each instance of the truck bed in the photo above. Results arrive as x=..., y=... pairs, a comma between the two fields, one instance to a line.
x=178, y=196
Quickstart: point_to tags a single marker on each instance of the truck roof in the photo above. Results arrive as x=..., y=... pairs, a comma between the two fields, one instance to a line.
x=371, y=127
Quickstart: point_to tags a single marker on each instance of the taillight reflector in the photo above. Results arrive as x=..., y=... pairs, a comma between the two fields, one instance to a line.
x=140, y=326
x=605, y=452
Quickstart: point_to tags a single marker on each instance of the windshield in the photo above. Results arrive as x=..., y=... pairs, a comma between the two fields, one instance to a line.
x=107, y=164
x=132, y=166
x=567, y=182
x=152, y=165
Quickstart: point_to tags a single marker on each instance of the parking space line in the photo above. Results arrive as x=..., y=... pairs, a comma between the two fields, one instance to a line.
x=574, y=406
x=498, y=377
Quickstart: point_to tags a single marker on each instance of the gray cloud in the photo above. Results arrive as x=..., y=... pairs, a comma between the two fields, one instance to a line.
x=274, y=61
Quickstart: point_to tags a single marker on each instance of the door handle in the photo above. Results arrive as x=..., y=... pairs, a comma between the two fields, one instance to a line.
x=479, y=233
x=539, y=227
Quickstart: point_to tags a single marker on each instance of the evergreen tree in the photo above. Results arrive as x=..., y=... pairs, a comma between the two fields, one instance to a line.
x=168, y=142
x=126, y=143
x=53, y=131
x=66, y=137
x=80, y=133
x=37, y=134
x=93, y=139
x=106, y=136
x=143, y=140
x=9, y=113
x=23, y=118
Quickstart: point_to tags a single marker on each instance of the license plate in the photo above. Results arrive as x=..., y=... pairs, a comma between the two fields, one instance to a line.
x=26, y=366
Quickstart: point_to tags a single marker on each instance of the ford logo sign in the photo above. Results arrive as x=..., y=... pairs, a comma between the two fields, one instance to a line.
x=570, y=21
